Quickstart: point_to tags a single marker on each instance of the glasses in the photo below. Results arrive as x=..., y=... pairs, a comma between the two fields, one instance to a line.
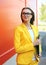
x=27, y=13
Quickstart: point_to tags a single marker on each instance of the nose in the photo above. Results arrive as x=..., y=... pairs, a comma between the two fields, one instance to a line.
x=26, y=16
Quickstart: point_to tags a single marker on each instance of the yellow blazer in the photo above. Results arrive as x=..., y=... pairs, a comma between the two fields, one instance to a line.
x=23, y=44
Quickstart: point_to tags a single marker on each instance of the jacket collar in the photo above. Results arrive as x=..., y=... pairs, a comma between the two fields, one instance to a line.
x=26, y=31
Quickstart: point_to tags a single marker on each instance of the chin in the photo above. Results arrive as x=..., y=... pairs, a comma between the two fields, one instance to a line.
x=25, y=20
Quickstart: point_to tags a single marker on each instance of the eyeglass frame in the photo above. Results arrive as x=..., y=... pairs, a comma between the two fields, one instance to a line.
x=26, y=13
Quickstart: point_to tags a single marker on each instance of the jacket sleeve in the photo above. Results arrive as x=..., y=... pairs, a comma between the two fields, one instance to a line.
x=38, y=37
x=40, y=49
x=17, y=44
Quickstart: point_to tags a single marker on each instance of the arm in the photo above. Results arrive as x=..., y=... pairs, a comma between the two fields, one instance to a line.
x=18, y=46
x=38, y=49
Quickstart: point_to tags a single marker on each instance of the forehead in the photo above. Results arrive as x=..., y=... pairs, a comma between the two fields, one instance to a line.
x=26, y=10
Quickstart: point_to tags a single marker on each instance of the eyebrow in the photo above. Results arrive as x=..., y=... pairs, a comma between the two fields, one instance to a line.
x=26, y=13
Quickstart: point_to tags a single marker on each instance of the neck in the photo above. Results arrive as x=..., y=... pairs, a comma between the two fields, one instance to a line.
x=27, y=24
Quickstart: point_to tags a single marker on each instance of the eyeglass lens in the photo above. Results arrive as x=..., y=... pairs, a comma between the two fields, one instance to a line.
x=27, y=13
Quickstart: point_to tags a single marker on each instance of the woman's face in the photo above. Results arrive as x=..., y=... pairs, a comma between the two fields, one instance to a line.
x=26, y=15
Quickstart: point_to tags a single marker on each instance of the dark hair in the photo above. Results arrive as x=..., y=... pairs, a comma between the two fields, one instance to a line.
x=33, y=17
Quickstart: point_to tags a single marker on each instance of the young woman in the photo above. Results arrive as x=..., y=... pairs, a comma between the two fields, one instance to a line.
x=25, y=39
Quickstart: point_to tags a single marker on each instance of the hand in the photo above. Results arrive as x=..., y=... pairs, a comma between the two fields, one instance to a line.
x=36, y=42
x=37, y=57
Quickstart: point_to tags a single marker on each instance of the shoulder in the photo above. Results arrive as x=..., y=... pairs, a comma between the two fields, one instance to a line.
x=35, y=27
x=18, y=28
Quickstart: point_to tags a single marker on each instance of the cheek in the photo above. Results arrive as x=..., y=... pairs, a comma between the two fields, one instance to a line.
x=22, y=17
x=31, y=16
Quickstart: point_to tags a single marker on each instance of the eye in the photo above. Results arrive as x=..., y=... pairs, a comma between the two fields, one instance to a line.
x=27, y=13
